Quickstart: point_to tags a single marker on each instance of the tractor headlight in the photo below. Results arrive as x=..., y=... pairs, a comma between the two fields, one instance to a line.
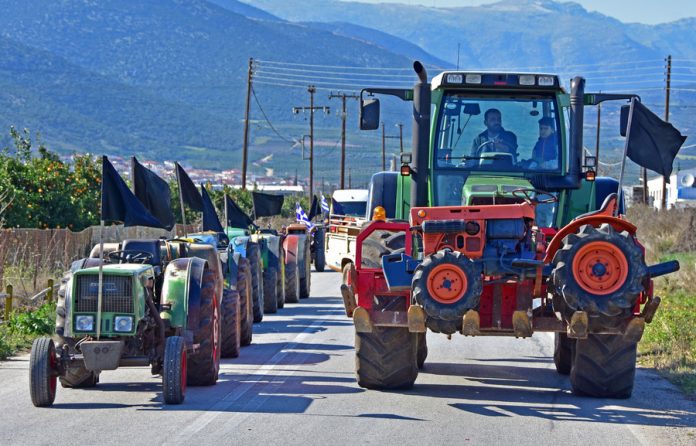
x=123, y=323
x=84, y=323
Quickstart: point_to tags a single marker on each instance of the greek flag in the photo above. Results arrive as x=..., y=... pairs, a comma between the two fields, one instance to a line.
x=324, y=205
x=302, y=217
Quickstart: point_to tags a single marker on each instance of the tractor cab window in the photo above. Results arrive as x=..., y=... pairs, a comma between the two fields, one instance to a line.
x=498, y=133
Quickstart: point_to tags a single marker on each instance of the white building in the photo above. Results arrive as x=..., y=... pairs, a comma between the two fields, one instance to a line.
x=681, y=190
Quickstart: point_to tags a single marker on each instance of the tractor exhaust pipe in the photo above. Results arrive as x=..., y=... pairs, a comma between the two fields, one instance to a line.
x=577, y=116
x=421, y=137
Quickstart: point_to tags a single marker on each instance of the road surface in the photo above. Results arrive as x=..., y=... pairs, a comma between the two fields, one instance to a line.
x=295, y=386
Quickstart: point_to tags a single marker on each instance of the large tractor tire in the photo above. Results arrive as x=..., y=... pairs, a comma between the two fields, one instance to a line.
x=280, y=284
x=422, y=352
x=246, y=306
x=604, y=366
x=447, y=284
x=306, y=281
x=203, y=365
x=254, y=256
x=231, y=331
x=563, y=351
x=292, y=283
x=43, y=364
x=174, y=371
x=601, y=272
x=270, y=282
x=386, y=358
x=319, y=253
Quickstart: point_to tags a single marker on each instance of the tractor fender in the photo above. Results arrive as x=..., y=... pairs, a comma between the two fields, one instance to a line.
x=181, y=290
x=291, y=246
x=273, y=243
x=210, y=254
x=595, y=220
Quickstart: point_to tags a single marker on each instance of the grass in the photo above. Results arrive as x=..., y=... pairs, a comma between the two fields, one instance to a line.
x=669, y=342
x=20, y=330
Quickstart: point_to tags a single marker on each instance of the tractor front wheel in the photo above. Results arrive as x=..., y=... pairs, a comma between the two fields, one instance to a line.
x=422, y=350
x=386, y=358
x=174, y=371
x=306, y=281
x=563, y=349
x=43, y=370
x=319, y=254
x=254, y=256
x=270, y=282
x=292, y=283
x=604, y=366
x=246, y=306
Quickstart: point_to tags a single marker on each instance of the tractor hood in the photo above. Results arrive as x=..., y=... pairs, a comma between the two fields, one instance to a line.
x=485, y=190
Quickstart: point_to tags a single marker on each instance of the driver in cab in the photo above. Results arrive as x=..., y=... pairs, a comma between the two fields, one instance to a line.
x=495, y=139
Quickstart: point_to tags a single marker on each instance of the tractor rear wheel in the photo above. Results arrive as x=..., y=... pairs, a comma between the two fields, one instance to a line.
x=174, y=371
x=254, y=256
x=43, y=368
x=601, y=272
x=292, y=283
x=245, y=303
x=203, y=365
x=422, y=350
x=604, y=366
x=306, y=281
x=447, y=285
x=319, y=254
x=270, y=282
x=386, y=358
x=563, y=350
x=280, y=284
x=230, y=333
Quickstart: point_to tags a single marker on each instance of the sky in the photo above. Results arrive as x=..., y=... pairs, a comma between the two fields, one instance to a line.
x=641, y=11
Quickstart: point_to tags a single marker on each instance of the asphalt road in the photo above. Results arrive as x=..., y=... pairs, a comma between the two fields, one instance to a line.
x=295, y=385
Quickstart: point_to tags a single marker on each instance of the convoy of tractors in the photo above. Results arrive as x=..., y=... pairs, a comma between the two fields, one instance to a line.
x=494, y=238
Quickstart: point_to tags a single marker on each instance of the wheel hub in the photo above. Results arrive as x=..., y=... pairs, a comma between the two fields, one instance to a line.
x=447, y=283
x=600, y=268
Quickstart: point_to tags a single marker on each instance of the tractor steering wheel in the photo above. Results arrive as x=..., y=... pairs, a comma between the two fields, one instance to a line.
x=130, y=256
x=526, y=195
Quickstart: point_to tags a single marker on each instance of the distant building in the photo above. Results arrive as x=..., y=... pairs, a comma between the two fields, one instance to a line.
x=681, y=190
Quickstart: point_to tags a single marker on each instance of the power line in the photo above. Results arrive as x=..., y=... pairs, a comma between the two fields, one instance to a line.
x=253, y=92
x=262, y=62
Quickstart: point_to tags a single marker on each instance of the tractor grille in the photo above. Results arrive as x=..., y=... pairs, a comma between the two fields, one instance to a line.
x=117, y=294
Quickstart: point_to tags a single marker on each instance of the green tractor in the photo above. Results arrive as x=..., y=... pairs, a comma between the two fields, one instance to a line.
x=273, y=260
x=497, y=225
x=138, y=308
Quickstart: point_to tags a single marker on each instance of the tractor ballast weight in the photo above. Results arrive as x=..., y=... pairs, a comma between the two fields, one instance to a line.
x=488, y=251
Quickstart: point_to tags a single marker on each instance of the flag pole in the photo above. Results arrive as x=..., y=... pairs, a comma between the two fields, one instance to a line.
x=101, y=277
x=181, y=200
x=623, y=162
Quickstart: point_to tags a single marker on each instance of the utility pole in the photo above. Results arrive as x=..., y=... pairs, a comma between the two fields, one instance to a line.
x=401, y=137
x=667, y=90
x=311, y=90
x=245, y=148
x=344, y=116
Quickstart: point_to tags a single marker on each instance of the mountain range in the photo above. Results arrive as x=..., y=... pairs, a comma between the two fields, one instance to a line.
x=166, y=79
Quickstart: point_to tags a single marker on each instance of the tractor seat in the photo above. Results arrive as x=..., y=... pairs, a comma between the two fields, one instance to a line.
x=148, y=246
x=608, y=206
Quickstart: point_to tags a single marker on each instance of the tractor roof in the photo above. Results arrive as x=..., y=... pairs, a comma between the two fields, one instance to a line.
x=489, y=79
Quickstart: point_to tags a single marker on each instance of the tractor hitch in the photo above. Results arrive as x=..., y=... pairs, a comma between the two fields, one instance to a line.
x=661, y=269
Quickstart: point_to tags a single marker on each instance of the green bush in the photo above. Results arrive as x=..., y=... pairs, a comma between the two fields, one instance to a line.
x=23, y=327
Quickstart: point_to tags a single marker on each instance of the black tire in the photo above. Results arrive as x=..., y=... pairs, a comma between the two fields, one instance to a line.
x=447, y=317
x=605, y=310
x=604, y=366
x=174, y=371
x=280, y=286
x=319, y=254
x=270, y=282
x=395, y=241
x=306, y=281
x=372, y=252
x=254, y=256
x=231, y=330
x=563, y=350
x=422, y=352
x=386, y=358
x=292, y=283
x=203, y=365
x=245, y=303
x=78, y=377
x=42, y=372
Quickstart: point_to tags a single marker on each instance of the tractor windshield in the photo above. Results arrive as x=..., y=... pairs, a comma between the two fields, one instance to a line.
x=498, y=133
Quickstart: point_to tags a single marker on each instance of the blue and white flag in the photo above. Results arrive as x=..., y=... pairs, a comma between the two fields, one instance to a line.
x=302, y=217
x=324, y=205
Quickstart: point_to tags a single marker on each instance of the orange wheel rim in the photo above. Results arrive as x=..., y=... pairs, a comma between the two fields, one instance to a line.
x=447, y=283
x=600, y=268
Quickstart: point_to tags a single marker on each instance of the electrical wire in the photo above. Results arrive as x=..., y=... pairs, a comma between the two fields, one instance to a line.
x=267, y=120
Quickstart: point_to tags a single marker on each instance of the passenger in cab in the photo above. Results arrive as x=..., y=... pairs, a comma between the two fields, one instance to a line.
x=545, y=152
x=495, y=138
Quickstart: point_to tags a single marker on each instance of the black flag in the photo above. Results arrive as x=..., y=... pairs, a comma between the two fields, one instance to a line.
x=153, y=193
x=119, y=204
x=267, y=205
x=653, y=143
x=188, y=190
x=236, y=218
x=211, y=222
x=315, y=208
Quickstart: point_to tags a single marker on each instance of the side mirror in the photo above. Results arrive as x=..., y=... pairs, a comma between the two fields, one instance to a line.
x=369, y=114
x=472, y=109
x=625, y=111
